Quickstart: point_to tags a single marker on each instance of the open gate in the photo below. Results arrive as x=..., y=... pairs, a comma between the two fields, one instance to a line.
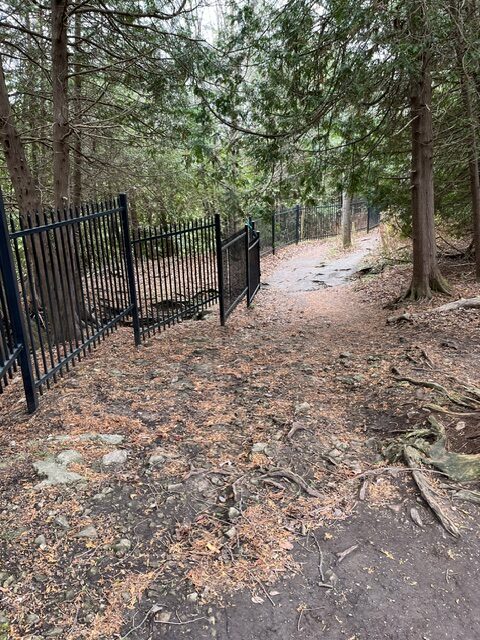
x=238, y=268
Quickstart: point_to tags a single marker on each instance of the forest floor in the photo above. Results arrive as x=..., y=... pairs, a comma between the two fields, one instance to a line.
x=228, y=483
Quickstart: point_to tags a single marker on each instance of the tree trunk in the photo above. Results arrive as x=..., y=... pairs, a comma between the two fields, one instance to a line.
x=65, y=237
x=77, y=100
x=25, y=186
x=466, y=89
x=346, y=220
x=426, y=274
x=61, y=168
x=27, y=194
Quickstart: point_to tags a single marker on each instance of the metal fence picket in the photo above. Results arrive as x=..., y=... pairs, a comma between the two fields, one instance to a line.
x=20, y=347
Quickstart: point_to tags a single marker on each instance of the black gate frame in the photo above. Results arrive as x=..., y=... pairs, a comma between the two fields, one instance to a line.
x=248, y=238
x=253, y=261
x=20, y=351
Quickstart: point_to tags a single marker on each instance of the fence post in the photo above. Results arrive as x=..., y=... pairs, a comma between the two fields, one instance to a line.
x=247, y=260
x=15, y=311
x=368, y=219
x=218, y=249
x=122, y=200
x=297, y=223
x=273, y=232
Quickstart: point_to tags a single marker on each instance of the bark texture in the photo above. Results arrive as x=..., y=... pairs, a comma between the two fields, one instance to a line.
x=61, y=129
x=24, y=184
x=426, y=276
x=346, y=220
x=467, y=99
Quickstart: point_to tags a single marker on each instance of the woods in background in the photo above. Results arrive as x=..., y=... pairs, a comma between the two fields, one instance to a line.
x=193, y=110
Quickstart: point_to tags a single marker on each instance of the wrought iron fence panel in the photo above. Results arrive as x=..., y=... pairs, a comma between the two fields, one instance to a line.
x=233, y=272
x=175, y=272
x=73, y=275
x=9, y=350
x=253, y=263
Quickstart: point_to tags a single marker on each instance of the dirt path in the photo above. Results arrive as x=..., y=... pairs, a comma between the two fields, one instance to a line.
x=307, y=272
x=187, y=521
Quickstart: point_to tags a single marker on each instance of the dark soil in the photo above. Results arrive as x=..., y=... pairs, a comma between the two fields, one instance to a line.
x=301, y=383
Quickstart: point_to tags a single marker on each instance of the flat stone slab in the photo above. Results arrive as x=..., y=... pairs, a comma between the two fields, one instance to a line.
x=113, y=439
x=115, y=457
x=69, y=456
x=55, y=474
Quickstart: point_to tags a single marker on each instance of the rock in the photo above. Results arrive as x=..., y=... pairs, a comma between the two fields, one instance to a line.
x=415, y=516
x=103, y=494
x=122, y=546
x=460, y=426
x=345, y=355
x=32, y=618
x=233, y=514
x=55, y=474
x=331, y=577
x=156, y=460
x=302, y=407
x=116, y=457
x=335, y=453
x=110, y=438
x=259, y=447
x=88, y=532
x=40, y=541
x=175, y=487
x=164, y=616
x=231, y=533
x=54, y=632
x=62, y=522
x=192, y=597
x=68, y=457
x=70, y=595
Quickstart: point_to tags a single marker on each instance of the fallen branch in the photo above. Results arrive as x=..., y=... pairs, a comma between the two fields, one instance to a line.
x=293, y=477
x=462, y=303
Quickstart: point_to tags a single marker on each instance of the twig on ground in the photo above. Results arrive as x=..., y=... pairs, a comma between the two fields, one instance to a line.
x=341, y=556
x=298, y=480
x=320, y=559
x=297, y=426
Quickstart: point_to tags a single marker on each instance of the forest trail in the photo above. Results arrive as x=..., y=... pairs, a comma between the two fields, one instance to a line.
x=225, y=484
x=306, y=272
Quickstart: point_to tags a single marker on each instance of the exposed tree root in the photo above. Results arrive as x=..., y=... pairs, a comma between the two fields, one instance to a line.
x=413, y=459
x=470, y=401
x=424, y=290
x=428, y=446
x=293, y=477
x=462, y=303
x=466, y=494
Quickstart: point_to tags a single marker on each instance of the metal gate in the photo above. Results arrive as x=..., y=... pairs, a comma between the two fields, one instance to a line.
x=253, y=262
x=13, y=340
x=238, y=268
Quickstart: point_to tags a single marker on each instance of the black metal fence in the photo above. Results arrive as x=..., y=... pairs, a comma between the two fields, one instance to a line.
x=238, y=269
x=299, y=223
x=72, y=268
x=175, y=272
x=253, y=265
x=69, y=278
x=233, y=272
